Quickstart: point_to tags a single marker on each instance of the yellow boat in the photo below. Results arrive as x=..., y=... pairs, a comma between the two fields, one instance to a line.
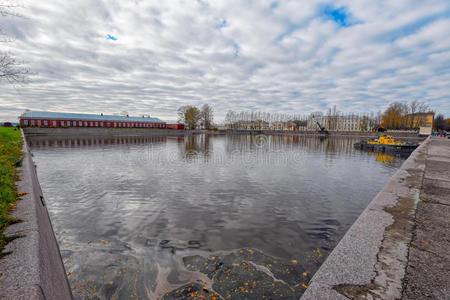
x=386, y=143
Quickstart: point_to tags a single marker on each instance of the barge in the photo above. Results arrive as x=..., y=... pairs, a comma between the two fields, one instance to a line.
x=386, y=144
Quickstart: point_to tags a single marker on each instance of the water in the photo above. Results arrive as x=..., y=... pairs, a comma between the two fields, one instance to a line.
x=139, y=217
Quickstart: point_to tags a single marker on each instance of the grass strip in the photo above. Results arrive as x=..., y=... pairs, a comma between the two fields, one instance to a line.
x=10, y=158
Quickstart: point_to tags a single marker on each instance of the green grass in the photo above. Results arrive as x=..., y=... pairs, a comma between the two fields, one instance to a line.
x=10, y=156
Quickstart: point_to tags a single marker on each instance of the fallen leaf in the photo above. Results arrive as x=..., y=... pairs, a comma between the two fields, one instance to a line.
x=304, y=285
x=425, y=243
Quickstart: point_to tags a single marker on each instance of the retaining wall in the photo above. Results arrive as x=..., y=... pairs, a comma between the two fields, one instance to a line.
x=34, y=269
x=370, y=260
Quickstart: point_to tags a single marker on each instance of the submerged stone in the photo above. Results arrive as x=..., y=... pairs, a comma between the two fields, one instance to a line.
x=245, y=274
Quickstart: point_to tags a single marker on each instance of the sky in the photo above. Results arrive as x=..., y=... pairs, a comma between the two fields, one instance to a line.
x=151, y=57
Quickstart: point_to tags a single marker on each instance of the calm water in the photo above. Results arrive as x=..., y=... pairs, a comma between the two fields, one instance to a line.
x=130, y=211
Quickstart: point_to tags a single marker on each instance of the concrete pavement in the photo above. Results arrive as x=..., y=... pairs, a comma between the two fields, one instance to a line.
x=428, y=269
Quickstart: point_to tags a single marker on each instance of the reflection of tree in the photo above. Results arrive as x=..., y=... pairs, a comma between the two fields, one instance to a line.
x=244, y=143
x=195, y=145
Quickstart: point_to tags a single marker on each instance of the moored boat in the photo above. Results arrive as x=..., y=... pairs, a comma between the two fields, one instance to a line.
x=386, y=144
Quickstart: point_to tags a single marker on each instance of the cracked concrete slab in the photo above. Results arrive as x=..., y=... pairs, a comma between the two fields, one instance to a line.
x=428, y=269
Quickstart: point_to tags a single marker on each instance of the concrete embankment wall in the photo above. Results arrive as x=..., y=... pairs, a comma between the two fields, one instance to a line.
x=370, y=260
x=34, y=269
x=398, y=134
x=170, y=132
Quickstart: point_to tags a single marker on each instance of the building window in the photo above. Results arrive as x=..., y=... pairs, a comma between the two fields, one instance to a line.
x=96, y=124
x=62, y=123
x=85, y=124
x=32, y=122
x=54, y=123
x=101, y=124
x=25, y=122
x=92, y=124
x=45, y=123
x=68, y=123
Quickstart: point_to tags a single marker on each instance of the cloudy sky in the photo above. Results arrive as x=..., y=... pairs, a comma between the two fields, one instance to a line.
x=276, y=56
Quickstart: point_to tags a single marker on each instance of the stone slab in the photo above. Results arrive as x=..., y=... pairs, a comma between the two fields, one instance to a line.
x=428, y=270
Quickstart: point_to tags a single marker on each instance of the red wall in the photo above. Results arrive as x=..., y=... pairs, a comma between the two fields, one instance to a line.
x=175, y=126
x=112, y=124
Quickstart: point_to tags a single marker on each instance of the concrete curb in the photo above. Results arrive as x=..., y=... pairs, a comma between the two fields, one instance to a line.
x=370, y=260
x=34, y=269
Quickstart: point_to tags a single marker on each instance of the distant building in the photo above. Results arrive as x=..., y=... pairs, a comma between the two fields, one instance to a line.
x=175, y=125
x=415, y=121
x=57, y=119
x=339, y=123
x=249, y=125
x=284, y=126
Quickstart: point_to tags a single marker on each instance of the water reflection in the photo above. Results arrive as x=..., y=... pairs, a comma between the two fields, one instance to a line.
x=134, y=214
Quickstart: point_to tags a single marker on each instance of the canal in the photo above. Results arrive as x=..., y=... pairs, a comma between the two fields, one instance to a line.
x=204, y=216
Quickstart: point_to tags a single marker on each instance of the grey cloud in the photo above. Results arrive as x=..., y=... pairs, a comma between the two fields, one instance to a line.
x=174, y=53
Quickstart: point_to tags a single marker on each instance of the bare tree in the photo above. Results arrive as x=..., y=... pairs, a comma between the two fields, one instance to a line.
x=414, y=108
x=11, y=69
x=440, y=123
x=207, y=116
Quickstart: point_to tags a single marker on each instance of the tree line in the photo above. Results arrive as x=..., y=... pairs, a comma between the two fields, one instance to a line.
x=401, y=115
x=238, y=120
